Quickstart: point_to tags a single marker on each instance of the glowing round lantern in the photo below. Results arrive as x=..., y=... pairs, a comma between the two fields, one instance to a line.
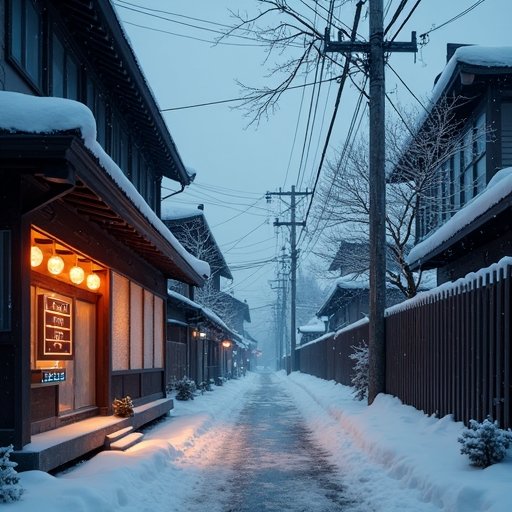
x=55, y=265
x=93, y=281
x=76, y=274
x=36, y=256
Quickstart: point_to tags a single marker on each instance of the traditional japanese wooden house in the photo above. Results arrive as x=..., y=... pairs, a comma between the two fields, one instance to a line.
x=84, y=257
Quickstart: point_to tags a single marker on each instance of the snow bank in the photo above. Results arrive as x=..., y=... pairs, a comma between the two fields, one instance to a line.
x=420, y=452
x=34, y=114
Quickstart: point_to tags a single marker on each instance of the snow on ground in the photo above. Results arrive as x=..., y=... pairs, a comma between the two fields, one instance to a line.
x=392, y=456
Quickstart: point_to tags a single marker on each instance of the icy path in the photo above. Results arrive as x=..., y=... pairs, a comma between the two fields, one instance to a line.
x=287, y=453
x=269, y=463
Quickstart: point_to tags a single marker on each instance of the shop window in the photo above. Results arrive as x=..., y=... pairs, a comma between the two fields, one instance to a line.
x=148, y=330
x=65, y=71
x=120, y=326
x=25, y=38
x=5, y=280
x=158, y=324
x=137, y=326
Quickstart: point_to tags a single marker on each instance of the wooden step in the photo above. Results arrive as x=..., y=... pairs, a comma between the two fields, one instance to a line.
x=127, y=441
x=115, y=436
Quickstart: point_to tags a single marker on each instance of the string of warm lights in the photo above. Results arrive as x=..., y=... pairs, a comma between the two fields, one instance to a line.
x=56, y=266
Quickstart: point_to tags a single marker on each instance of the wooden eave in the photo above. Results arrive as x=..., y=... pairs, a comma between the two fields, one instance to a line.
x=488, y=226
x=93, y=195
x=96, y=29
x=200, y=316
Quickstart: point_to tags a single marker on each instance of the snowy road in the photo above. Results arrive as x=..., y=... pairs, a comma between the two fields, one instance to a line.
x=269, y=443
x=270, y=462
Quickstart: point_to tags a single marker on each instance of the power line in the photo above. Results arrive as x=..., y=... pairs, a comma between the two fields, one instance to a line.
x=407, y=87
x=398, y=11
x=407, y=18
x=190, y=25
x=456, y=17
x=245, y=98
x=343, y=79
x=154, y=29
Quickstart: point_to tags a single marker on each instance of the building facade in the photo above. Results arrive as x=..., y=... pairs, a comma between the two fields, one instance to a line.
x=84, y=256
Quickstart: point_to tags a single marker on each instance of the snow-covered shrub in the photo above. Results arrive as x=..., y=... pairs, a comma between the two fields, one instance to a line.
x=360, y=378
x=485, y=443
x=185, y=389
x=206, y=386
x=123, y=407
x=10, y=488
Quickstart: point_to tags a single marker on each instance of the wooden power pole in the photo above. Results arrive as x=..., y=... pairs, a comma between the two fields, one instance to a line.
x=376, y=49
x=294, y=253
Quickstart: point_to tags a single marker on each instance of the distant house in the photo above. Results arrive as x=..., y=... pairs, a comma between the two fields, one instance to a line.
x=199, y=328
x=315, y=328
x=470, y=232
x=349, y=300
x=85, y=256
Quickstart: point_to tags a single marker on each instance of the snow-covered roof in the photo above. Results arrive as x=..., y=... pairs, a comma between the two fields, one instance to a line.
x=479, y=56
x=46, y=115
x=497, y=189
x=211, y=315
x=170, y=211
x=314, y=325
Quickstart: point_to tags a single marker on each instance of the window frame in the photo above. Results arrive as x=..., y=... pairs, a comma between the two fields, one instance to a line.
x=20, y=64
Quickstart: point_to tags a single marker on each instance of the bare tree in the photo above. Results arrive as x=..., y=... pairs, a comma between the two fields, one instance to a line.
x=295, y=35
x=343, y=204
x=196, y=237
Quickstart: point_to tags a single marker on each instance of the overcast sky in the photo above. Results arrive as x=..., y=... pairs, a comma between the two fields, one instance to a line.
x=237, y=164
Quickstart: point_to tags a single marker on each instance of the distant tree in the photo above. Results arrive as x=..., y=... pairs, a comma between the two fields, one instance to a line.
x=310, y=297
x=196, y=237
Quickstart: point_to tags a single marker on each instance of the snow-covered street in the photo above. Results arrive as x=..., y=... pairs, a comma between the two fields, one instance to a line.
x=272, y=442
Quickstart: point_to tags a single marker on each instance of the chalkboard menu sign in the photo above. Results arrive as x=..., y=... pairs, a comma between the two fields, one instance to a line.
x=55, y=328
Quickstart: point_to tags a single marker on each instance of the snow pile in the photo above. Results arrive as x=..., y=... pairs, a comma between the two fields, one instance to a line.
x=33, y=114
x=390, y=442
x=497, y=189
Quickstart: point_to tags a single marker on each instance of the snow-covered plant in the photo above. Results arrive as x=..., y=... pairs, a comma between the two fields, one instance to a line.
x=360, y=378
x=123, y=407
x=185, y=389
x=206, y=386
x=485, y=443
x=10, y=488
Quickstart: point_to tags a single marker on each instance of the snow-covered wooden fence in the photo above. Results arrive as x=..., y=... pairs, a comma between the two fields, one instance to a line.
x=448, y=351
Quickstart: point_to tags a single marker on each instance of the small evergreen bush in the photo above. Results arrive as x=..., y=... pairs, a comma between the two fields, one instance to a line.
x=360, y=378
x=123, y=407
x=10, y=488
x=485, y=443
x=185, y=389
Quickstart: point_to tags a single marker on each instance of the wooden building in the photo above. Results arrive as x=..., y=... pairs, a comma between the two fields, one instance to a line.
x=482, y=78
x=84, y=256
x=203, y=327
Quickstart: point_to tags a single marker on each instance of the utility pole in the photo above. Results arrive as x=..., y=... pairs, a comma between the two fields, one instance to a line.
x=376, y=50
x=293, y=242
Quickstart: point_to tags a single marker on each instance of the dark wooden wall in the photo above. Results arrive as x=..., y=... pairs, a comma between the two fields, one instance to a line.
x=450, y=353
